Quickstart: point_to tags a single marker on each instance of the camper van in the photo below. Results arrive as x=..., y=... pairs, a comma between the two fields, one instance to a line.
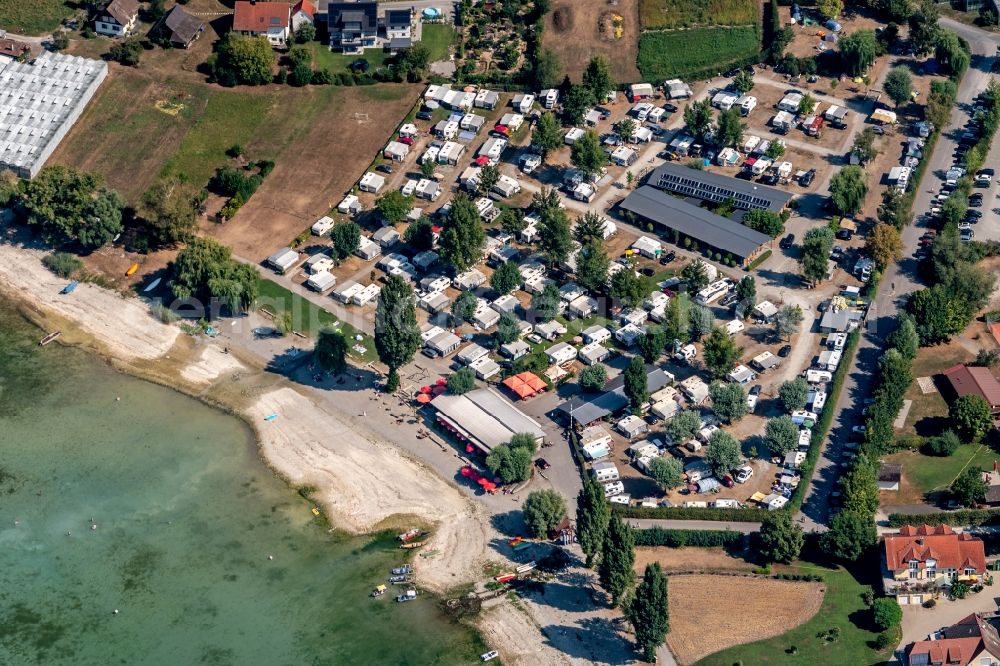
x=605, y=472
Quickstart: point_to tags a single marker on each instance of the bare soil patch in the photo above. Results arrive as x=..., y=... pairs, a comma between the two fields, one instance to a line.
x=686, y=559
x=710, y=613
x=574, y=32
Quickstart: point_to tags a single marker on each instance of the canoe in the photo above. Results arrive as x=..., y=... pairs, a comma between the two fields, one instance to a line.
x=68, y=289
x=131, y=270
x=270, y=417
x=415, y=544
x=49, y=338
x=152, y=285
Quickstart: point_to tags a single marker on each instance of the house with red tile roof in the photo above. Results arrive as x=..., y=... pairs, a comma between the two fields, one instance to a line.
x=920, y=561
x=269, y=19
x=972, y=641
x=966, y=380
x=303, y=12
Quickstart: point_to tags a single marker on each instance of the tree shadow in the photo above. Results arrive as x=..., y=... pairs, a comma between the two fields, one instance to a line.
x=594, y=639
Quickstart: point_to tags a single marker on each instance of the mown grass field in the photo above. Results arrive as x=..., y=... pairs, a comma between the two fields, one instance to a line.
x=437, y=37
x=669, y=14
x=677, y=54
x=33, y=17
x=843, y=610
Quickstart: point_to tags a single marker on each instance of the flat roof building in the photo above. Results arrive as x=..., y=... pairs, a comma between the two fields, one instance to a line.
x=708, y=186
x=484, y=418
x=718, y=232
x=39, y=103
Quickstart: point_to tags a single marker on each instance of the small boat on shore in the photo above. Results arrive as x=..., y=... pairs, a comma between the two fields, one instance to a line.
x=409, y=595
x=49, y=338
x=379, y=591
x=152, y=285
x=68, y=289
x=413, y=544
x=399, y=580
x=399, y=571
x=131, y=270
x=489, y=656
x=408, y=535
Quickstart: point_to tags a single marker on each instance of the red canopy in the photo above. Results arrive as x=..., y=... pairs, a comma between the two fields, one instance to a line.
x=425, y=389
x=482, y=160
x=525, y=384
x=441, y=381
x=423, y=398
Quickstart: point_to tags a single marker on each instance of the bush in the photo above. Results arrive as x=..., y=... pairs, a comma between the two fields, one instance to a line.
x=887, y=613
x=889, y=638
x=944, y=444
x=972, y=517
x=62, y=264
x=164, y=314
x=682, y=513
x=659, y=536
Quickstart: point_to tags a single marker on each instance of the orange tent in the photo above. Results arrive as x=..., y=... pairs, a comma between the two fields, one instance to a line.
x=525, y=384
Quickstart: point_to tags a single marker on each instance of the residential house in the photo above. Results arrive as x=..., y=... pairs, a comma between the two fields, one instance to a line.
x=303, y=13
x=268, y=19
x=969, y=380
x=353, y=26
x=117, y=18
x=920, y=561
x=397, y=25
x=182, y=27
x=972, y=641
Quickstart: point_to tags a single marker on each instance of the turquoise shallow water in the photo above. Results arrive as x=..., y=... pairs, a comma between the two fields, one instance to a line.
x=186, y=518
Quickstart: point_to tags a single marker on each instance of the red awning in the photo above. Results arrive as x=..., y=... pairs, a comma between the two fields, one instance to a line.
x=423, y=398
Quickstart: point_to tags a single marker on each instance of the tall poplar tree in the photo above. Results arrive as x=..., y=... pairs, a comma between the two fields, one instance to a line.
x=397, y=336
x=593, y=512
x=617, y=560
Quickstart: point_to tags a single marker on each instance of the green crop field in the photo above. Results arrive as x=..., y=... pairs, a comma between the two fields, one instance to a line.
x=667, y=14
x=33, y=17
x=683, y=53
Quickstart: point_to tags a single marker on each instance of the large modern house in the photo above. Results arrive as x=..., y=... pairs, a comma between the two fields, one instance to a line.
x=353, y=26
x=920, y=561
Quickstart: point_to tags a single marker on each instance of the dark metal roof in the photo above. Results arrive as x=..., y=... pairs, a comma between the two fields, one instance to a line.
x=183, y=26
x=397, y=18
x=365, y=13
x=612, y=400
x=698, y=223
x=400, y=43
x=710, y=186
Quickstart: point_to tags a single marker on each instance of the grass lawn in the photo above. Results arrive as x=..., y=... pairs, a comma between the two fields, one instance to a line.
x=323, y=57
x=33, y=17
x=665, y=55
x=660, y=14
x=310, y=318
x=929, y=473
x=843, y=609
x=437, y=37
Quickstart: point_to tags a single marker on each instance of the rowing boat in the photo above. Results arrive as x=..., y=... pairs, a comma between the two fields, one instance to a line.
x=68, y=289
x=49, y=338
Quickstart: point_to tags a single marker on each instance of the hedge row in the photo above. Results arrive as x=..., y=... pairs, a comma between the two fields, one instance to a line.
x=682, y=513
x=822, y=427
x=962, y=517
x=659, y=536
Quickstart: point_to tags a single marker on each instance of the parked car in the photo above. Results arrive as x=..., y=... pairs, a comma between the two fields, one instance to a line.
x=729, y=299
x=384, y=168
x=744, y=473
x=667, y=257
x=542, y=463
x=785, y=351
x=755, y=389
x=807, y=178
x=425, y=115
x=787, y=242
x=727, y=481
x=860, y=429
x=974, y=214
x=845, y=234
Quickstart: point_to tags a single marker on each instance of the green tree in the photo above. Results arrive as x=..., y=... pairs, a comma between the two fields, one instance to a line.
x=346, y=238
x=547, y=69
x=242, y=60
x=66, y=205
x=668, y=472
x=462, y=236
x=592, y=265
x=555, y=236
x=729, y=401
x=774, y=150
x=547, y=134
x=887, y=613
x=394, y=206
x=420, y=235
x=397, y=336
x=830, y=8
x=884, y=245
x=743, y=81
x=168, y=211
x=589, y=228
x=858, y=52
x=543, y=511
x=898, y=85
x=649, y=612
x=593, y=378
x=587, y=154
x=305, y=33
x=807, y=105
x=597, y=78
x=944, y=444
x=895, y=208
x=626, y=128
x=628, y=287
x=489, y=176
x=330, y=351
x=951, y=54
x=730, y=128
x=970, y=487
x=746, y=292
x=780, y=538
x=462, y=381
x=512, y=221
x=860, y=487
x=205, y=270
x=923, y=35
x=512, y=464
x=593, y=513
x=793, y=394
x=764, y=221
x=127, y=52
x=676, y=322
x=723, y=453
x=721, y=353
x=464, y=306
x=506, y=278
x=702, y=322
x=507, y=329
x=683, y=426
x=617, y=560
x=636, y=384
x=848, y=189
x=864, y=146
x=971, y=416
x=651, y=344
x=545, y=303
x=816, y=246
x=413, y=62
x=102, y=220
x=62, y=264
x=696, y=275
x=698, y=117
x=787, y=320
x=850, y=535
x=782, y=435
x=937, y=314
x=575, y=103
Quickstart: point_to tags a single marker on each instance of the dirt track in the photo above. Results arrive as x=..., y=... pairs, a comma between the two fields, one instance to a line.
x=572, y=31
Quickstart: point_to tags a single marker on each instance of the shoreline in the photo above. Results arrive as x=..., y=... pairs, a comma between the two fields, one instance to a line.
x=393, y=490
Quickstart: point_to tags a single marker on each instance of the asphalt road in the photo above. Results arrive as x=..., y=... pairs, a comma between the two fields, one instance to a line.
x=899, y=281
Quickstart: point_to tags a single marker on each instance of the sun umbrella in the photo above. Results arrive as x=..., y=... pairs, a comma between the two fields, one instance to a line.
x=423, y=398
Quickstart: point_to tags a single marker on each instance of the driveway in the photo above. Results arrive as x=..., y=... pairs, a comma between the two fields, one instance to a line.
x=919, y=622
x=899, y=281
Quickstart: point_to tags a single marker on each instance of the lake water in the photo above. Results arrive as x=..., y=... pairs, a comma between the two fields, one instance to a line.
x=186, y=518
